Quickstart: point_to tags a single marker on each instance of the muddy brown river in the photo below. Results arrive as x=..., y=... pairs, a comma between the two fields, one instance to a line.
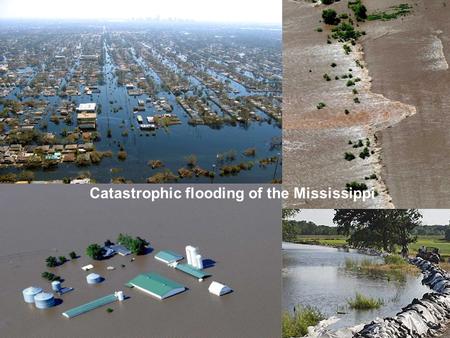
x=407, y=60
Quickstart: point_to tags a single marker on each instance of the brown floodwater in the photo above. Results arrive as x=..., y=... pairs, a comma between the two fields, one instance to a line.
x=243, y=240
x=408, y=62
x=315, y=140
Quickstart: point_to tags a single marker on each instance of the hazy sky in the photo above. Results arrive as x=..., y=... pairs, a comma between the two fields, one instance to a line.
x=267, y=11
x=325, y=216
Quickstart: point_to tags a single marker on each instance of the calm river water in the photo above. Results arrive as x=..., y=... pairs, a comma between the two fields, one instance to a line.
x=316, y=276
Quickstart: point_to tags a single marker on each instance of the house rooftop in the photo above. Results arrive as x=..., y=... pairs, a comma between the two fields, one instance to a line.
x=87, y=107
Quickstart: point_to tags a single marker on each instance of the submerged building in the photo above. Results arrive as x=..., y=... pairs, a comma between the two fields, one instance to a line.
x=87, y=116
x=76, y=311
x=156, y=285
x=219, y=289
x=168, y=257
x=29, y=293
x=192, y=271
x=94, y=278
x=193, y=257
x=44, y=300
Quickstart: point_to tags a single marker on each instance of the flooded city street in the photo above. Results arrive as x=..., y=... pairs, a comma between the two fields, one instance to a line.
x=202, y=118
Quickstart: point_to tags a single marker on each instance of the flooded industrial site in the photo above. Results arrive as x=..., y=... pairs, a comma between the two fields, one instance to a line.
x=244, y=257
x=316, y=276
x=386, y=88
x=140, y=102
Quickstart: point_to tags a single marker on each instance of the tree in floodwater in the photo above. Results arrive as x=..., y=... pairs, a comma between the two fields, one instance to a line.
x=329, y=16
x=380, y=229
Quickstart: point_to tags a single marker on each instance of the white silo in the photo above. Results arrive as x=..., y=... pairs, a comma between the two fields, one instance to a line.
x=195, y=252
x=44, y=300
x=56, y=285
x=199, y=262
x=119, y=295
x=29, y=293
x=188, y=255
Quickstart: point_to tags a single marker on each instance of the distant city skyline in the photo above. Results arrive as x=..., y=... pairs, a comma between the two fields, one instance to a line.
x=325, y=216
x=232, y=11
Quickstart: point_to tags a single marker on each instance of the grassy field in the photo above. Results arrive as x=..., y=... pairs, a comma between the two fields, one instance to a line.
x=337, y=240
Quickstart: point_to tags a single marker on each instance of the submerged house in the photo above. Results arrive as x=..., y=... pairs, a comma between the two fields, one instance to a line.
x=87, y=116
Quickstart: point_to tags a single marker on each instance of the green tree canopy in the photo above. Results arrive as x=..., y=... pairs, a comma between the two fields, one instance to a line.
x=329, y=16
x=381, y=229
x=95, y=251
x=136, y=245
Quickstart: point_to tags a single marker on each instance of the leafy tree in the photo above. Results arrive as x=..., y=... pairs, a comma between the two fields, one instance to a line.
x=289, y=213
x=381, y=229
x=51, y=261
x=73, y=255
x=359, y=9
x=136, y=245
x=447, y=235
x=329, y=16
x=95, y=251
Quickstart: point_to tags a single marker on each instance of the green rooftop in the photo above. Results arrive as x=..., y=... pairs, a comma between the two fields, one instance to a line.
x=168, y=256
x=156, y=285
x=76, y=311
x=190, y=270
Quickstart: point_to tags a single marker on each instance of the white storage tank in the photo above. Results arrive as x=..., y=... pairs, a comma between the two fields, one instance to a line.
x=56, y=285
x=44, y=300
x=29, y=293
x=93, y=278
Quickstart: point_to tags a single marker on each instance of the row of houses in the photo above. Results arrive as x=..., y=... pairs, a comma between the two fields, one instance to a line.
x=17, y=154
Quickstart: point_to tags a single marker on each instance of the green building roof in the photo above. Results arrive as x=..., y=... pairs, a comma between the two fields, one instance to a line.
x=168, y=256
x=156, y=285
x=76, y=311
x=190, y=270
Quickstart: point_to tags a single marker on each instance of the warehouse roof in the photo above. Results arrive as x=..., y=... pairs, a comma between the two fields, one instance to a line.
x=156, y=285
x=168, y=256
x=190, y=270
x=89, y=306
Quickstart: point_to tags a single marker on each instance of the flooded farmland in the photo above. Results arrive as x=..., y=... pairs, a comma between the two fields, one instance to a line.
x=53, y=226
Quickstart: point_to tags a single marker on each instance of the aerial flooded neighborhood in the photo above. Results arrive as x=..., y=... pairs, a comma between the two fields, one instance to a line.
x=139, y=101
